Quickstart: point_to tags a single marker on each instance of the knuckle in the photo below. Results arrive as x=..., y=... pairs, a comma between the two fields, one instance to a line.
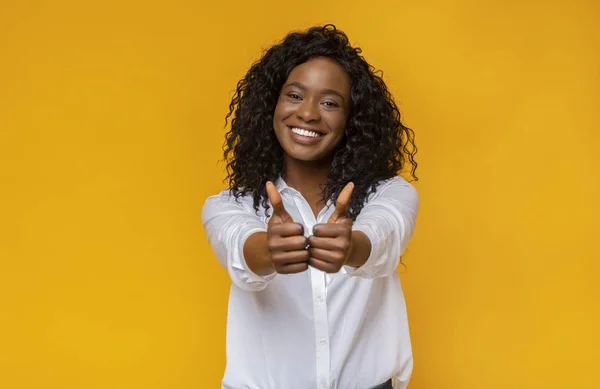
x=334, y=268
x=317, y=229
x=303, y=267
x=344, y=245
x=304, y=242
x=276, y=260
x=292, y=243
x=298, y=228
x=274, y=229
x=273, y=245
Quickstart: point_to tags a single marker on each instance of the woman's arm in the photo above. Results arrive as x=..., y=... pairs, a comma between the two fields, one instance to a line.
x=238, y=238
x=387, y=221
x=257, y=255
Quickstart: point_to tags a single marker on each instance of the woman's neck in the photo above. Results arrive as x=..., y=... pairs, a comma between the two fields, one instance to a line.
x=308, y=178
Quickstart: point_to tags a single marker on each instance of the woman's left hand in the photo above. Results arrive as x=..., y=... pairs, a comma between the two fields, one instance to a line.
x=331, y=243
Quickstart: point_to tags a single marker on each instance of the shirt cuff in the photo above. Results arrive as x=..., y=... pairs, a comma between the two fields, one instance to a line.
x=240, y=267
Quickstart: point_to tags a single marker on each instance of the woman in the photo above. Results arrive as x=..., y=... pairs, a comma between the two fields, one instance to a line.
x=314, y=221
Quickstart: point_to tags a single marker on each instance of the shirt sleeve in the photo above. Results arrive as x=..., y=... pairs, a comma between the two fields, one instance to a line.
x=388, y=220
x=228, y=223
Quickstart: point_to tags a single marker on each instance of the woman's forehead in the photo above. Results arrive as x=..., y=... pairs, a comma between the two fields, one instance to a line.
x=320, y=73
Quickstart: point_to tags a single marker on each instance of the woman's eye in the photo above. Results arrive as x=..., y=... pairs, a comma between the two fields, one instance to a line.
x=331, y=104
x=293, y=96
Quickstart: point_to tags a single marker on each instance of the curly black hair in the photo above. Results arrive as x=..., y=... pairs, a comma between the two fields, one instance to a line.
x=376, y=144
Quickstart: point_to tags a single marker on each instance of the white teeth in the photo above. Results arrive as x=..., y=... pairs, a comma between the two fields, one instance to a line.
x=302, y=132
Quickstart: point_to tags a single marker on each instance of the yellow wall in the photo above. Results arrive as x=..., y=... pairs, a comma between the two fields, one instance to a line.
x=111, y=123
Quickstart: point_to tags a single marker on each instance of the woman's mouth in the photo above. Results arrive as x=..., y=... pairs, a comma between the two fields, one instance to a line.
x=301, y=132
x=305, y=137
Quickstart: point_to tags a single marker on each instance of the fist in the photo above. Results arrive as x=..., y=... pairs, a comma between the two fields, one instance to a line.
x=331, y=243
x=285, y=238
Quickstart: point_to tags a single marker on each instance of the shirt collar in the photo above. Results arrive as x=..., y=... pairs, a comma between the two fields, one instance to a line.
x=281, y=185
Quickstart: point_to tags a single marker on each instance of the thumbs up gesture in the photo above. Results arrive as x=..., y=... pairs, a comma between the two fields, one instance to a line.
x=331, y=243
x=286, y=241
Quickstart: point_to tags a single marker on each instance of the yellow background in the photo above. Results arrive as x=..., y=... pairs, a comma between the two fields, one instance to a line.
x=111, y=125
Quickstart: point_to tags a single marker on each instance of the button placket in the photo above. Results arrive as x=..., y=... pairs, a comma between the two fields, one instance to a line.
x=318, y=286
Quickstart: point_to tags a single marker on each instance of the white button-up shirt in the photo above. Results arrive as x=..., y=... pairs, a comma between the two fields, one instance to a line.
x=310, y=330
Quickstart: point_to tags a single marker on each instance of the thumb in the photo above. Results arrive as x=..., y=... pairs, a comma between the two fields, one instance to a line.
x=342, y=204
x=276, y=201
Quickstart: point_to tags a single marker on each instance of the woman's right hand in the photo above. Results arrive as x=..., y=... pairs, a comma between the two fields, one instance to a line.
x=286, y=242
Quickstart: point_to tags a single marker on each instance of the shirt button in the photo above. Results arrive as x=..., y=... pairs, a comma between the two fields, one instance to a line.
x=323, y=383
x=320, y=299
x=323, y=342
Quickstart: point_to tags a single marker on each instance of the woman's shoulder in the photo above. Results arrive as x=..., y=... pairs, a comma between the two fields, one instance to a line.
x=395, y=183
x=227, y=203
x=228, y=196
x=395, y=187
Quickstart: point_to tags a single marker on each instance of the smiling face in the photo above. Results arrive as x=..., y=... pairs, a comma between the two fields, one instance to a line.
x=312, y=110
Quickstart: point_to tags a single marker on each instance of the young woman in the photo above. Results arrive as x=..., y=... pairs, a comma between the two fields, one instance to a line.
x=314, y=221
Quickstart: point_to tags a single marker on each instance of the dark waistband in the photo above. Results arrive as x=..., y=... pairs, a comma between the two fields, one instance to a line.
x=385, y=385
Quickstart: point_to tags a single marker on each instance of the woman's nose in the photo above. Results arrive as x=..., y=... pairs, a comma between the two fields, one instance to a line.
x=308, y=111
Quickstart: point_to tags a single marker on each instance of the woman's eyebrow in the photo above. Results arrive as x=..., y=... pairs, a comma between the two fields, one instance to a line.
x=332, y=92
x=296, y=84
x=326, y=91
